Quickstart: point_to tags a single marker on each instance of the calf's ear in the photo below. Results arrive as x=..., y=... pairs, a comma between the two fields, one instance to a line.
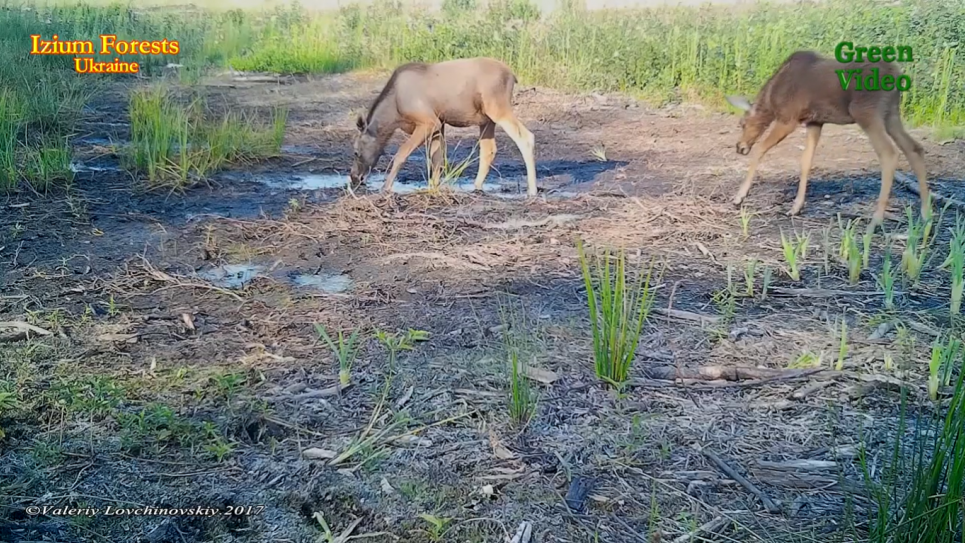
x=739, y=102
x=360, y=123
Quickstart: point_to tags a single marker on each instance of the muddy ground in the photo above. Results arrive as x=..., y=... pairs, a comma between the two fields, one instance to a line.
x=168, y=311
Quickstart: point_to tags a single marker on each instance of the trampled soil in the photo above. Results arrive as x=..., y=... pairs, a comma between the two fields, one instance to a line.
x=205, y=302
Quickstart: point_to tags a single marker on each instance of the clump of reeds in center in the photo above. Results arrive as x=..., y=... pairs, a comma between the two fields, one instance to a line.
x=617, y=312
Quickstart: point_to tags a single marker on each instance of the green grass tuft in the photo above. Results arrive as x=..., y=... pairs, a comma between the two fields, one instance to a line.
x=617, y=313
x=177, y=145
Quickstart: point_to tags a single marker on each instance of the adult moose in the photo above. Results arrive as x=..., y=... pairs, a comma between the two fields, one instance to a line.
x=422, y=98
x=806, y=90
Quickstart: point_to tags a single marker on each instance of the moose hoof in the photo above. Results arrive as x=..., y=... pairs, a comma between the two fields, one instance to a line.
x=738, y=200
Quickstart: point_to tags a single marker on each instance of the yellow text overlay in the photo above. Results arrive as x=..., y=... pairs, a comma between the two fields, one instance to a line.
x=106, y=44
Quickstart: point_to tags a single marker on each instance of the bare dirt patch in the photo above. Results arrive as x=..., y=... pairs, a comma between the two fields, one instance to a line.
x=183, y=369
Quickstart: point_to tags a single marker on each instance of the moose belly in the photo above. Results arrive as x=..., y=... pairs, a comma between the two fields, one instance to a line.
x=463, y=119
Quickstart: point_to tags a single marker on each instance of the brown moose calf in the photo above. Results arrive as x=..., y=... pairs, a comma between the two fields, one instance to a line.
x=807, y=90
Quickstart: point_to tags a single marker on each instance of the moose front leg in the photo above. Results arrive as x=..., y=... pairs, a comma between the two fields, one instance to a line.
x=437, y=157
x=777, y=135
x=814, y=134
x=416, y=139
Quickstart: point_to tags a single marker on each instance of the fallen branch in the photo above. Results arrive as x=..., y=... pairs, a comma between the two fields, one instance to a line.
x=439, y=257
x=310, y=394
x=804, y=464
x=706, y=528
x=682, y=315
x=822, y=292
x=243, y=78
x=912, y=185
x=732, y=473
x=523, y=533
x=809, y=389
x=516, y=224
x=166, y=278
x=752, y=375
x=809, y=481
x=25, y=327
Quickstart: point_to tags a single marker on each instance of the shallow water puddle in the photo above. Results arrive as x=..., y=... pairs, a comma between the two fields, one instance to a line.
x=373, y=183
x=232, y=275
x=323, y=282
x=236, y=276
x=82, y=168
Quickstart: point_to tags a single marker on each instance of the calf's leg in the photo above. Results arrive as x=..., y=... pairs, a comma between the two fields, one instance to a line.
x=487, y=152
x=814, y=134
x=526, y=143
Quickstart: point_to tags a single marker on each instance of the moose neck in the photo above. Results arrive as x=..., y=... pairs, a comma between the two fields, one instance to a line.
x=383, y=120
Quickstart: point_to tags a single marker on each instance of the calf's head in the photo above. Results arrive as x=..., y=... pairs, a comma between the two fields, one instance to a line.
x=367, y=151
x=752, y=125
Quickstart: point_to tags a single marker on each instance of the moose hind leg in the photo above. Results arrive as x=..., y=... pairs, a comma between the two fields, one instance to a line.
x=487, y=152
x=814, y=134
x=874, y=127
x=914, y=152
x=526, y=143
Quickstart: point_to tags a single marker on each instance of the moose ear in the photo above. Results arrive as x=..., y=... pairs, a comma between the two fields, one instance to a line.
x=739, y=102
x=360, y=123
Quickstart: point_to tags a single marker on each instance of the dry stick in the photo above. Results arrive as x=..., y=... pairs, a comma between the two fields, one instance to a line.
x=516, y=224
x=911, y=185
x=333, y=390
x=202, y=286
x=682, y=315
x=809, y=389
x=732, y=473
x=523, y=533
x=161, y=276
x=426, y=427
x=25, y=327
x=821, y=292
x=708, y=527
